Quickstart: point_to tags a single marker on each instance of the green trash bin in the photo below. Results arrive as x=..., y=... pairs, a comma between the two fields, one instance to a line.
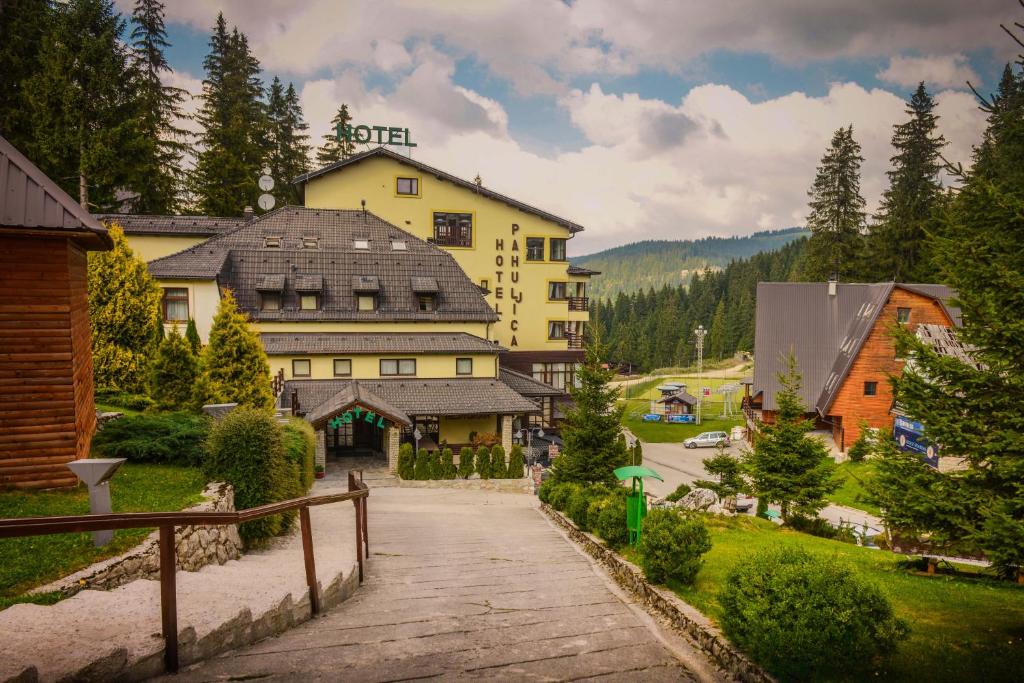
x=636, y=504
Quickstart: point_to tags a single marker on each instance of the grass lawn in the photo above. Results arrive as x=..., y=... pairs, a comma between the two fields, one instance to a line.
x=961, y=628
x=36, y=560
x=662, y=432
x=853, y=493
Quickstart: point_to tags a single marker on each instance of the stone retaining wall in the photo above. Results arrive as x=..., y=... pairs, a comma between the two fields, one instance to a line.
x=523, y=485
x=664, y=603
x=196, y=547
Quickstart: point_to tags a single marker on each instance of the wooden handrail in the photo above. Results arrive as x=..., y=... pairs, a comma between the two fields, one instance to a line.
x=167, y=521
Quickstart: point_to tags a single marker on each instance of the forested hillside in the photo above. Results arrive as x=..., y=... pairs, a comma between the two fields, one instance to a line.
x=654, y=328
x=656, y=263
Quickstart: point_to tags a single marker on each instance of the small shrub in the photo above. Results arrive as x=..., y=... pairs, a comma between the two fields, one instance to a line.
x=578, y=506
x=545, y=489
x=447, y=464
x=610, y=520
x=499, y=469
x=172, y=372
x=421, y=471
x=678, y=494
x=560, y=494
x=516, y=464
x=803, y=616
x=299, y=448
x=406, y=462
x=125, y=400
x=483, y=462
x=671, y=546
x=816, y=526
x=434, y=464
x=466, y=468
x=863, y=445
x=245, y=449
x=487, y=439
x=173, y=438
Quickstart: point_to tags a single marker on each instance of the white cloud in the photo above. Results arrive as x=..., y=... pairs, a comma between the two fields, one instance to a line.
x=944, y=71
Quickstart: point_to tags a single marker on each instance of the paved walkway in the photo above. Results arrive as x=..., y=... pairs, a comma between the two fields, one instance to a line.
x=468, y=584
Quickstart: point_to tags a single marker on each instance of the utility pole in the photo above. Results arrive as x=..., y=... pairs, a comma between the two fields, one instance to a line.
x=700, y=332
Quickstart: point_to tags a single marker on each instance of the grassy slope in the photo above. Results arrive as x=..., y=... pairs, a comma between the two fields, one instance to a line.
x=35, y=560
x=961, y=629
x=639, y=402
x=853, y=492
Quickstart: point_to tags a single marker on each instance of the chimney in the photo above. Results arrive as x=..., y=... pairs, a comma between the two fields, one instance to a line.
x=833, y=284
x=247, y=213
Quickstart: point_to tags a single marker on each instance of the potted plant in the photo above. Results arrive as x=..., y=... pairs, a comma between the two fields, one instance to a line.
x=318, y=471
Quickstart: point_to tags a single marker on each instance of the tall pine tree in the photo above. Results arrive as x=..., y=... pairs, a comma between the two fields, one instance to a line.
x=909, y=207
x=837, y=213
x=334, y=148
x=22, y=27
x=289, y=155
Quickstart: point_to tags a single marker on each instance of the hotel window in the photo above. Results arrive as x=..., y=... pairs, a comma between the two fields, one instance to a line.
x=270, y=301
x=309, y=302
x=427, y=302
x=342, y=367
x=390, y=367
x=556, y=329
x=407, y=186
x=301, y=367
x=310, y=242
x=176, y=304
x=463, y=366
x=485, y=284
x=398, y=245
x=557, y=291
x=272, y=242
x=903, y=315
x=557, y=375
x=534, y=248
x=870, y=388
x=453, y=229
x=557, y=249
x=366, y=302
x=361, y=244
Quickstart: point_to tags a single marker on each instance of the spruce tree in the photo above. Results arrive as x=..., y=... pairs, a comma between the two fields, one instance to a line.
x=335, y=148
x=785, y=465
x=235, y=142
x=84, y=107
x=591, y=430
x=717, y=342
x=173, y=373
x=124, y=310
x=837, y=217
x=909, y=207
x=289, y=156
x=729, y=472
x=234, y=360
x=158, y=162
x=192, y=336
x=23, y=25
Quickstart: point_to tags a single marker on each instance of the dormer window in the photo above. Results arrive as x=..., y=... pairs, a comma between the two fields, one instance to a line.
x=398, y=245
x=427, y=303
x=310, y=242
x=309, y=302
x=270, y=301
x=361, y=244
x=272, y=242
x=366, y=302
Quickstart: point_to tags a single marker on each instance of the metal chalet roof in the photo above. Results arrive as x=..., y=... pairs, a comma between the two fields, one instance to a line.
x=182, y=226
x=281, y=343
x=825, y=333
x=338, y=246
x=440, y=175
x=679, y=397
x=29, y=200
x=580, y=270
x=526, y=385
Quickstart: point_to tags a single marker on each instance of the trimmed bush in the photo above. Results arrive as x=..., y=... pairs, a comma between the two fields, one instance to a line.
x=245, y=449
x=516, y=464
x=560, y=494
x=680, y=491
x=122, y=399
x=172, y=372
x=608, y=518
x=447, y=464
x=434, y=459
x=300, y=448
x=803, y=616
x=863, y=445
x=545, y=489
x=499, y=469
x=406, y=462
x=466, y=467
x=173, y=438
x=421, y=471
x=671, y=546
x=483, y=462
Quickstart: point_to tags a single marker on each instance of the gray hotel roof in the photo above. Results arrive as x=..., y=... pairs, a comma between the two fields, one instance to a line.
x=241, y=261
x=290, y=343
x=182, y=226
x=825, y=333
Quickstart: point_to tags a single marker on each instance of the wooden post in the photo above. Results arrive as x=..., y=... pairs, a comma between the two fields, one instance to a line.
x=168, y=598
x=307, y=555
x=366, y=535
x=359, y=537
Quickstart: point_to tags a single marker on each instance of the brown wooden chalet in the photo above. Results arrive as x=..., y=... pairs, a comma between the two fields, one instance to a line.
x=841, y=336
x=47, y=416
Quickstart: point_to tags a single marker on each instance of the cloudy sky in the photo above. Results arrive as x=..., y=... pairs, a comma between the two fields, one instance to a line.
x=639, y=119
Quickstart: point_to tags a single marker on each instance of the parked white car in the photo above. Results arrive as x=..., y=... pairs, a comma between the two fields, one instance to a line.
x=707, y=440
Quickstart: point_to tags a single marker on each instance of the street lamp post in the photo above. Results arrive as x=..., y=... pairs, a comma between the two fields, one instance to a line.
x=700, y=332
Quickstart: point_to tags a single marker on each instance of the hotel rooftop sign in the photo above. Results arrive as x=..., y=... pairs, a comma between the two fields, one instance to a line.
x=382, y=135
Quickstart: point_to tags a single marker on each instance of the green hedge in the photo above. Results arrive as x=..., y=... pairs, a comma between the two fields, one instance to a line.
x=406, y=462
x=608, y=518
x=300, y=449
x=671, y=546
x=122, y=399
x=447, y=464
x=421, y=470
x=516, y=464
x=466, y=467
x=171, y=438
x=499, y=468
x=483, y=462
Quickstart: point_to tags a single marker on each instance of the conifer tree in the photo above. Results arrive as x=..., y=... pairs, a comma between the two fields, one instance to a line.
x=717, y=342
x=234, y=138
x=289, y=155
x=124, y=309
x=234, y=360
x=158, y=162
x=335, y=148
x=909, y=207
x=83, y=105
x=22, y=27
x=499, y=468
x=192, y=336
x=729, y=472
x=837, y=217
x=591, y=430
x=785, y=465
x=173, y=372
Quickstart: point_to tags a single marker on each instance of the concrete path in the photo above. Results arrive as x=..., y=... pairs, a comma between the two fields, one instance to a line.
x=468, y=584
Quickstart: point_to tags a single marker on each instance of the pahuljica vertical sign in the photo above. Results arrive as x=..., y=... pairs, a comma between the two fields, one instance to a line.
x=382, y=135
x=358, y=413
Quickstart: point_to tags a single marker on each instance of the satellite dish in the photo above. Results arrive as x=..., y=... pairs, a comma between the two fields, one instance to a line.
x=265, y=170
x=266, y=202
x=266, y=183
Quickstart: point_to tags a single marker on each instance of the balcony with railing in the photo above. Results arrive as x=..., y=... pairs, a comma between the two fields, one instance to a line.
x=579, y=303
x=574, y=339
x=448, y=240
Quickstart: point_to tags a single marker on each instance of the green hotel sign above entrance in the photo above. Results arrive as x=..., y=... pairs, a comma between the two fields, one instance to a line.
x=382, y=135
x=357, y=413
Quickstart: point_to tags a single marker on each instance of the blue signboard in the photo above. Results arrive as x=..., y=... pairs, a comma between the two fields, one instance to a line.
x=652, y=417
x=909, y=434
x=682, y=419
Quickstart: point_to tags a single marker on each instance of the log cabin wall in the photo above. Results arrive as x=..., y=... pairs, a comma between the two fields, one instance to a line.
x=876, y=362
x=46, y=401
